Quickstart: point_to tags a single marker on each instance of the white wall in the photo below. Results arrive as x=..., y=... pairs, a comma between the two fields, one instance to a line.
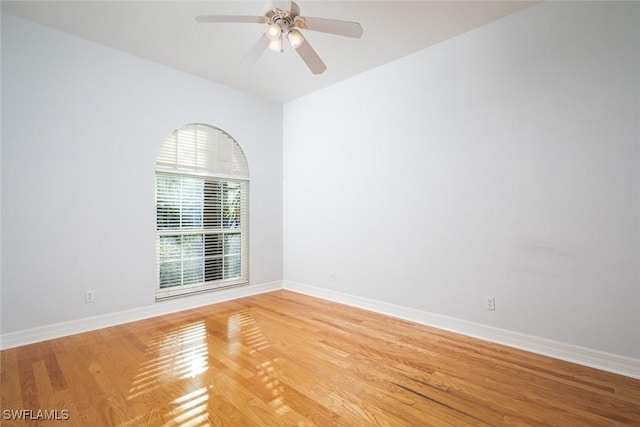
x=81, y=126
x=504, y=162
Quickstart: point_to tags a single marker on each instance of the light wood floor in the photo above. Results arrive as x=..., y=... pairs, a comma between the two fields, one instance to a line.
x=284, y=359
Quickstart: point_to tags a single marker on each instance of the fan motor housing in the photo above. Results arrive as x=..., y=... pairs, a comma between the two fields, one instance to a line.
x=286, y=19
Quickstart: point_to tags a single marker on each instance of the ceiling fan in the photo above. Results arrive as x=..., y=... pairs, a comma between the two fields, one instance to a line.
x=283, y=19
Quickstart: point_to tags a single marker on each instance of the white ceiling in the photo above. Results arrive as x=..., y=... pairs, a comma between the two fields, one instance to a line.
x=165, y=32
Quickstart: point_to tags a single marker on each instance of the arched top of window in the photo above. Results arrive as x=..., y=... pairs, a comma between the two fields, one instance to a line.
x=204, y=150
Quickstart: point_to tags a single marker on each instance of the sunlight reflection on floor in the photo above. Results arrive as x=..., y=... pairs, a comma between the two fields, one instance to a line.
x=181, y=353
x=176, y=369
x=242, y=327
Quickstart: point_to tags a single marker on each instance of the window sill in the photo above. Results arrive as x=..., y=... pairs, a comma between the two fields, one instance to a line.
x=184, y=291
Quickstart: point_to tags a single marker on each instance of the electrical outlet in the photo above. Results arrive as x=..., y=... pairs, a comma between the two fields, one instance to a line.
x=332, y=276
x=89, y=296
x=490, y=303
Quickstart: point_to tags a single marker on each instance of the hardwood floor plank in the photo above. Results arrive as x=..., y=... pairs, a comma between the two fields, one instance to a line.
x=281, y=359
x=27, y=356
x=10, y=388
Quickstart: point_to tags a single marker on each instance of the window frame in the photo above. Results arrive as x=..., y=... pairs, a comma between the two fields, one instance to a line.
x=218, y=176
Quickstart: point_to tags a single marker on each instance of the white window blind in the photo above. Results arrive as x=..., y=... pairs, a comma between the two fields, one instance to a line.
x=199, y=148
x=202, y=212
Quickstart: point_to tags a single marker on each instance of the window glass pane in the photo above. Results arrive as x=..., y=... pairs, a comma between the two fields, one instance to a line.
x=213, y=269
x=212, y=205
x=170, y=274
x=192, y=246
x=232, y=244
x=170, y=248
x=213, y=245
x=232, y=266
x=231, y=205
x=168, y=202
x=193, y=271
x=192, y=202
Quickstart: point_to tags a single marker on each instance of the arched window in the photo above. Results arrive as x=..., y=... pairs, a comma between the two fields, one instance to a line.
x=202, y=212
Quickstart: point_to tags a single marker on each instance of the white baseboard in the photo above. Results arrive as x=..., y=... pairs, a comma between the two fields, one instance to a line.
x=583, y=356
x=57, y=330
x=571, y=353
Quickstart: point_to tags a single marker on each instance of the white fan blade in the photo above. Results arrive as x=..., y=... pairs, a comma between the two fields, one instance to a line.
x=311, y=58
x=229, y=19
x=256, y=51
x=331, y=26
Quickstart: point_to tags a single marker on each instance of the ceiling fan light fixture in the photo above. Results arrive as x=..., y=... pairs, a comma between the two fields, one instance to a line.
x=295, y=38
x=276, y=44
x=274, y=31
